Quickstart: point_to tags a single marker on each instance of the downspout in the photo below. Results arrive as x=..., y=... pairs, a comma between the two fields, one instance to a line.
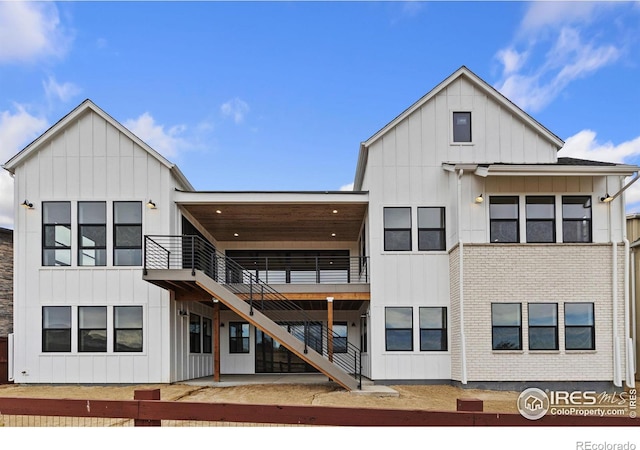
x=614, y=322
x=634, y=338
x=463, y=345
x=628, y=342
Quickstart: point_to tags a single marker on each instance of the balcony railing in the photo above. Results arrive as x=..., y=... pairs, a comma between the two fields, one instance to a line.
x=305, y=270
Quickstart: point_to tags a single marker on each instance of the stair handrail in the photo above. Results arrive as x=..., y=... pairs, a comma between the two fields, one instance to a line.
x=195, y=253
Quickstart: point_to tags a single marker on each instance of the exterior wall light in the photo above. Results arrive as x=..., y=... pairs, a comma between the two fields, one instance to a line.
x=607, y=198
x=479, y=199
x=27, y=204
x=151, y=205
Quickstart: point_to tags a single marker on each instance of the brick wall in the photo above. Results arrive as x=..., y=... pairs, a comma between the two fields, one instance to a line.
x=6, y=281
x=557, y=273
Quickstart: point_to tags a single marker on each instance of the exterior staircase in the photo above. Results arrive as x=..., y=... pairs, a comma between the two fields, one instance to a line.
x=191, y=264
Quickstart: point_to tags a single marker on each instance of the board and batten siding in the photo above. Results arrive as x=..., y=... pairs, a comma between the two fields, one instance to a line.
x=89, y=160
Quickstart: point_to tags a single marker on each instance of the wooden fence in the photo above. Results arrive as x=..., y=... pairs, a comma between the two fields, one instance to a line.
x=143, y=411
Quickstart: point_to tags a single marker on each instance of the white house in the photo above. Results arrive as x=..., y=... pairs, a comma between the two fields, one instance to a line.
x=467, y=253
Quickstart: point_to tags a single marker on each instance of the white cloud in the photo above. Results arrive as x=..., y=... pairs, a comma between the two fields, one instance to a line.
x=235, y=108
x=347, y=187
x=31, y=30
x=17, y=129
x=56, y=91
x=584, y=145
x=166, y=142
x=550, y=51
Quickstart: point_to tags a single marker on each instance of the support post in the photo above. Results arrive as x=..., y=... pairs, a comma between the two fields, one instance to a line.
x=330, y=328
x=216, y=340
x=146, y=394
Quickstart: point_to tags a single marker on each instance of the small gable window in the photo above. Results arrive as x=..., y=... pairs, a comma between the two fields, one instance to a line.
x=462, y=126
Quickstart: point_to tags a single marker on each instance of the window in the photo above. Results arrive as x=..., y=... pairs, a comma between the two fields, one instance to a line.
x=206, y=335
x=576, y=219
x=543, y=326
x=340, y=334
x=398, y=323
x=92, y=328
x=579, y=331
x=92, y=234
x=503, y=218
x=56, y=233
x=56, y=328
x=397, y=229
x=238, y=337
x=195, y=334
x=363, y=333
x=431, y=229
x=541, y=219
x=127, y=333
x=461, y=127
x=433, y=329
x=506, y=328
x=127, y=231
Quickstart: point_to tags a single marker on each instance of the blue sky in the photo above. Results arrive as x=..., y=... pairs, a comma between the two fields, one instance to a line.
x=278, y=95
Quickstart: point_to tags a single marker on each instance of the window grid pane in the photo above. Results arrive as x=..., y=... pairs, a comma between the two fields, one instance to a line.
x=399, y=328
x=506, y=319
x=543, y=326
x=576, y=219
x=540, y=212
x=579, y=323
x=127, y=322
x=431, y=229
x=397, y=229
x=433, y=329
x=56, y=328
x=56, y=233
x=462, y=126
x=127, y=234
x=504, y=219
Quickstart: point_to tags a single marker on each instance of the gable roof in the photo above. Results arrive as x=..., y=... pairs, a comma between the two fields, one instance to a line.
x=478, y=82
x=86, y=105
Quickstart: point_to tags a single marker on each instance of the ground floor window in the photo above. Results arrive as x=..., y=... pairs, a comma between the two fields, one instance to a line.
x=206, y=335
x=127, y=328
x=398, y=324
x=506, y=326
x=92, y=328
x=56, y=329
x=273, y=357
x=194, y=333
x=238, y=337
x=543, y=326
x=433, y=329
x=340, y=334
x=579, y=328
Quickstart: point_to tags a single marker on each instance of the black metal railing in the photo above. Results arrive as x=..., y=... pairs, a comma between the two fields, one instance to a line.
x=307, y=269
x=195, y=253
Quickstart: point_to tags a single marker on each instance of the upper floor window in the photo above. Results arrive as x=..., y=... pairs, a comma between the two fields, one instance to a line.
x=462, y=126
x=576, y=218
x=504, y=219
x=92, y=234
x=56, y=233
x=431, y=229
x=397, y=229
x=127, y=233
x=541, y=219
